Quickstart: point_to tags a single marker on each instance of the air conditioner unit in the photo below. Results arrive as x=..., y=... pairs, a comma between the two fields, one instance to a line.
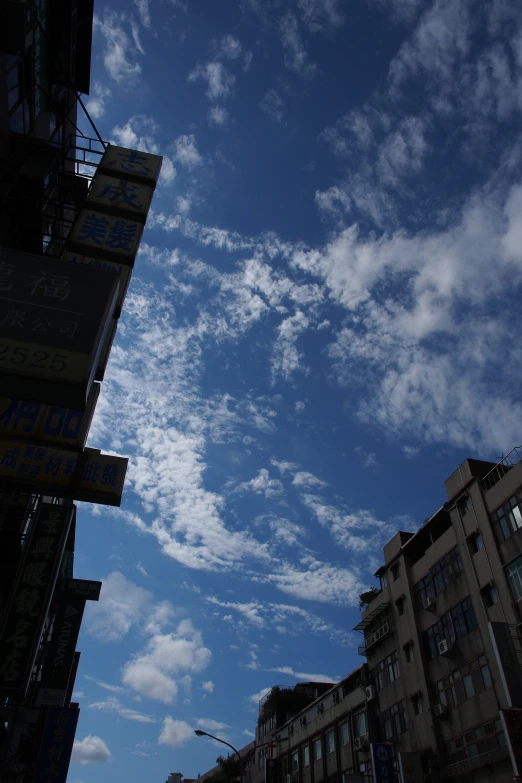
x=445, y=647
x=302, y=721
x=369, y=692
x=361, y=742
x=335, y=695
x=428, y=603
x=440, y=710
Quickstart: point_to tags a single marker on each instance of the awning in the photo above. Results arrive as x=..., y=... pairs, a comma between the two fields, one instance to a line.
x=371, y=617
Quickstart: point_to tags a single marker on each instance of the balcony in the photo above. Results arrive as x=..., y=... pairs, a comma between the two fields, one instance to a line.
x=482, y=760
x=381, y=633
x=503, y=467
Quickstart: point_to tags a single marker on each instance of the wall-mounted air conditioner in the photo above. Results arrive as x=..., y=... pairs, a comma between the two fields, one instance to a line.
x=302, y=721
x=335, y=696
x=428, y=603
x=445, y=647
x=369, y=692
x=440, y=710
x=361, y=742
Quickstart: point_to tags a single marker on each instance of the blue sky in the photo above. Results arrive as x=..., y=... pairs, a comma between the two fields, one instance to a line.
x=322, y=324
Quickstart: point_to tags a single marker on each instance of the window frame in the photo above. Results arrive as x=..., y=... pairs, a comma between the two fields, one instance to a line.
x=515, y=578
x=306, y=754
x=453, y=625
x=393, y=720
x=409, y=646
x=329, y=734
x=342, y=732
x=504, y=519
x=317, y=743
x=461, y=684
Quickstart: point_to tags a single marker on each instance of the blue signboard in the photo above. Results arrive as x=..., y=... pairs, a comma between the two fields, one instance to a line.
x=382, y=763
x=57, y=743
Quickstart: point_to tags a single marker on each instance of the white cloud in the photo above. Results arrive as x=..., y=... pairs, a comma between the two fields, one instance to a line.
x=305, y=480
x=318, y=14
x=121, y=605
x=333, y=203
x=303, y=675
x=105, y=685
x=139, y=132
x=220, y=81
x=262, y=484
x=141, y=569
x=296, y=56
x=256, y=697
x=114, y=706
x=313, y=580
x=90, y=750
x=211, y=725
x=218, y=116
x=186, y=151
x=250, y=611
x=248, y=733
x=299, y=406
x=96, y=103
x=230, y=47
x=144, y=12
x=207, y=686
x=120, y=52
x=175, y=733
x=180, y=653
x=286, y=358
x=272, y=104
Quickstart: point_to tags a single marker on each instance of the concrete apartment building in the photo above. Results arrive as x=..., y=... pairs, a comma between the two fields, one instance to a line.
x=441, y=638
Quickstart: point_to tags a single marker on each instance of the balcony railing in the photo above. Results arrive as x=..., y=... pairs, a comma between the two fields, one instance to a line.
x=501, y=468
x=482, y=760
x=373, y=638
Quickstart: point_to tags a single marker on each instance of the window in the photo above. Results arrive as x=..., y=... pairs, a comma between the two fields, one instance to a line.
x=383, y=581
x=464, y=505
x=359, y=723
x=330, y=741
x=489, y=595
x=445, y=571
x=455, y=624
x=475, y=543
x=306, y=755
x=294, y=761
x=399, y=603
x=395, y=571
x=508, y=518
x=387, y=670
x=344, y=729
x=394, y=720
x=261, y=759
x=408, y=651
x=473, y=743
x=416, y=701
x=514, y=574
x=318, y=749
x=469, y=680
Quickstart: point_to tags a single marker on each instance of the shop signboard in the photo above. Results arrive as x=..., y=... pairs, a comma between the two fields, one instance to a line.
x=30, y=596
x=105, y=236
x=53, y=321
x=120, y=197
x=133, y=165
x=89, y=475
x=52, y=424
x=87, y=589
x=56, y=746
x=382, y=762
x=60, y=653
x=123, y=271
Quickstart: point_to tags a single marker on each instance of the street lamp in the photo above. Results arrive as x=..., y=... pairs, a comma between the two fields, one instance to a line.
x=206, y=734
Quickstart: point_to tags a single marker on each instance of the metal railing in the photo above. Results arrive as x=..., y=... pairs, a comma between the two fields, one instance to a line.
x=374, y=637
x=474, y=762
x=502, y=467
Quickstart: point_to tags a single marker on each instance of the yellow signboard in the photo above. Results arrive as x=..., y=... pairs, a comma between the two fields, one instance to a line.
x=120, y=197
x=89, y=475
x=105, y=236
x=133, y=165
x=47, y=423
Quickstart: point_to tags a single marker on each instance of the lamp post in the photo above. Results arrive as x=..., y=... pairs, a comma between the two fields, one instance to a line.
x=201, y=733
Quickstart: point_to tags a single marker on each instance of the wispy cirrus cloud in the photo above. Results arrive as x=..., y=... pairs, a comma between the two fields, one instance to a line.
x=121, y=50
x=296, y=56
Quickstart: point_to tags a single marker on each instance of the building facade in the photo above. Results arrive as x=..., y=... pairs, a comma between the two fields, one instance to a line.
x=442, y=678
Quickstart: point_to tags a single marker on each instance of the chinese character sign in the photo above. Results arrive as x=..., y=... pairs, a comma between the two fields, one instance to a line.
x=382, y=763
x=105, y=236
x=93, y=477
x=57, y=744
x=84, y=588
x=29, y=599
x=53, y=319
x=47, y=423
x=133, y=165
x=120, y=197
x=66, y=628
